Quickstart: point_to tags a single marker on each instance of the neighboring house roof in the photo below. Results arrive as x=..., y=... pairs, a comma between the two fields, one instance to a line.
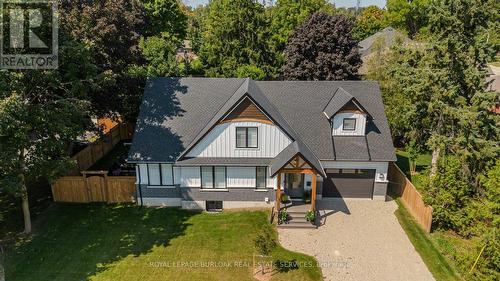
x=176, y=113
x=388, y=36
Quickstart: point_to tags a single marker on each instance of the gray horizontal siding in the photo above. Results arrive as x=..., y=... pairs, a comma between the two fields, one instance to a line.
x=158, y=192
x=195, y=193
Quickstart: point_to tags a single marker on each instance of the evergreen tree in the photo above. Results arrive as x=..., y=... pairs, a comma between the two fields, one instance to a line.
x=236, y=33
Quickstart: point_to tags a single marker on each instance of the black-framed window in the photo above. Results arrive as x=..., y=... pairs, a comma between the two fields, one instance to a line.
x=260, y=177
x=213, y=177
x=247, y=137
x=213, y=206
x=349, y=124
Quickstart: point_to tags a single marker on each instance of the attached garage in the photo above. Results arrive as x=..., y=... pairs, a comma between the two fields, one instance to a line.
x=349, y=183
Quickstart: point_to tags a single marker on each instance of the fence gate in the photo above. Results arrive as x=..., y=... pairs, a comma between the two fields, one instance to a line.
x=96, y=188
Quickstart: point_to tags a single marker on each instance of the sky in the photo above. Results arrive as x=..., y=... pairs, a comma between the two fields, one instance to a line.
x=338, y=3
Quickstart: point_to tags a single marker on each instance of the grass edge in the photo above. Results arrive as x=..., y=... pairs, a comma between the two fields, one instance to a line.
x=437, y=264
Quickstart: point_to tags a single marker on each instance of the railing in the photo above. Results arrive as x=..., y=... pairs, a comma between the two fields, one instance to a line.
x=400, y=186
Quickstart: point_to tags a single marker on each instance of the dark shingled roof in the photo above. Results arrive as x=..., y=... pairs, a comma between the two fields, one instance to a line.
x=177, y=112
x=338, y=101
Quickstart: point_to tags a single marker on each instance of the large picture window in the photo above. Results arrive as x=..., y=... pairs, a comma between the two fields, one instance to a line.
x=213, y=177
x=207, y=177
x=261, y=177
x=247, y=137
x=154, y=175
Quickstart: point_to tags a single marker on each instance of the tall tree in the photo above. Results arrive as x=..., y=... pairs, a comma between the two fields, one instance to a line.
x=370, y=21
x=41, y=112
x=322, y=49
x=196, y=26
x=166, y=16
x=160, y=55
x=111, y=30
x=236, y=33
x=287, y=15
x=410, y=15
x=444, y=82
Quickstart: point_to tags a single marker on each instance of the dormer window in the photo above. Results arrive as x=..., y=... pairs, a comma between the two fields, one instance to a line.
x=247, y=137
x=349, y=124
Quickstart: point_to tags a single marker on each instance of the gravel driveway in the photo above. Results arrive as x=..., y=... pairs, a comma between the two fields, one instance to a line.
x=360, y=240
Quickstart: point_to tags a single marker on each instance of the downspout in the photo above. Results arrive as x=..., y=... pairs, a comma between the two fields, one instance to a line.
x=139, y=185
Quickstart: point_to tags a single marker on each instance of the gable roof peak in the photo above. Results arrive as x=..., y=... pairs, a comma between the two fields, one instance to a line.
x=340, y=99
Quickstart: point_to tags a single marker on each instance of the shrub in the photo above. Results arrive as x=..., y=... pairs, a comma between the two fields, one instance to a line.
x=310, y=216
x=283, y=216
x=265, y=242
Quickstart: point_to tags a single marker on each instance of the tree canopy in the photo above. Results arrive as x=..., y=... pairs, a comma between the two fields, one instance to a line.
x=287, y=15
x=322, y=48
x=370, y=21
x=236, y=33
x=408, y=15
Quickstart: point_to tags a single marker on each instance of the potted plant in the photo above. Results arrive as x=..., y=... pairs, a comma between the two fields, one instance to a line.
x=283, y=216
x=306, y=197
x=310, y=216
x=285, y=199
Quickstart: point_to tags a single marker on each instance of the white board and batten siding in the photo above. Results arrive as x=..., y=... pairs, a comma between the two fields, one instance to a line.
x=338, y=119
x=221, y=142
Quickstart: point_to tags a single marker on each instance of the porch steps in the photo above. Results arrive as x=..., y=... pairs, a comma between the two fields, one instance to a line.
x=297, y=220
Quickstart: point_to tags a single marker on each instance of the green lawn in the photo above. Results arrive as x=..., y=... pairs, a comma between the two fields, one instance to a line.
x=423, y=163
x=124, y=242
x=438, y=265
x=11, y=219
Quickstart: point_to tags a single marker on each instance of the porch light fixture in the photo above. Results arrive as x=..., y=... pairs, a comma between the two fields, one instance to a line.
x=381, y=176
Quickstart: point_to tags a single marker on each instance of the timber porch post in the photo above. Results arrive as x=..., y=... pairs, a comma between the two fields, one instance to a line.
x=278, y=193
x=313, y=192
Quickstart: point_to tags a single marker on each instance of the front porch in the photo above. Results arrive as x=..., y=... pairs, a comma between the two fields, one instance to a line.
x=290, y=193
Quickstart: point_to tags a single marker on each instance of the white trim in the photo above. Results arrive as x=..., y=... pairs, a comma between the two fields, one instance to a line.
x=160, y=186
x=213, y=189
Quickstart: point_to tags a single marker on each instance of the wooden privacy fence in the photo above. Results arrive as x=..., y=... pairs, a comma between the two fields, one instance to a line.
x=94, y=187
x=411, y=198
x=95, y=151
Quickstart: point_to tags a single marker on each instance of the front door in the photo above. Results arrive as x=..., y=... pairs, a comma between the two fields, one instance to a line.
x=294, y=185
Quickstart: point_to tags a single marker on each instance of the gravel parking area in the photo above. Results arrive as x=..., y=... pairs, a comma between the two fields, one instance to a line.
x=359, y=240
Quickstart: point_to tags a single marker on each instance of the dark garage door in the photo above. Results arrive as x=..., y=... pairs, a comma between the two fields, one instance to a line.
x=348, y=183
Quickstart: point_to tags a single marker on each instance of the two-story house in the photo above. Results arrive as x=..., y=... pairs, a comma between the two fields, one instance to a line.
x=204, y=143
